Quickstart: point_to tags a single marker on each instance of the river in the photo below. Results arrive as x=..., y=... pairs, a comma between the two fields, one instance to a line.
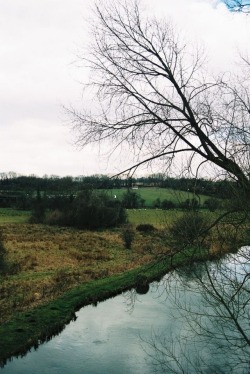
x=180, y=325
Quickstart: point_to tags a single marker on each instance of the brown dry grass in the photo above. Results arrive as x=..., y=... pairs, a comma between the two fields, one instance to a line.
x=46, y=261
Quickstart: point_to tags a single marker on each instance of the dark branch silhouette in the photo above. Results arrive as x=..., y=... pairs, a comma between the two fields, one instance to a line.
x=153, y=95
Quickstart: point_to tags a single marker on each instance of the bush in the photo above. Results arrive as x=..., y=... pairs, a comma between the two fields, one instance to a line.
x=2, y=255
x=156, y=203
x=211, y=204
x=38, y=210
x=168, y=204
x=55, y=217
x=89, y=210
x=190, y=204
x=128, y=235
x=132, y=200
x=145, y=227
x=189, y=228
x=97, y=210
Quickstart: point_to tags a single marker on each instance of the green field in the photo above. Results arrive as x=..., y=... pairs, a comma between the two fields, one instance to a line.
x=136, y=216
x=161, y=218
x=150, y=194
x=156, y=217
x=9, y=215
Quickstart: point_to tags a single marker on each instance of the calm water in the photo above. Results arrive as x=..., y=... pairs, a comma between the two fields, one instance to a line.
x=134, y=333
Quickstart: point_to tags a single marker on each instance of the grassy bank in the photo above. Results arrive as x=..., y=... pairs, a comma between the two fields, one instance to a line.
x=46, y=261
x=33, y=327
x=52, y=271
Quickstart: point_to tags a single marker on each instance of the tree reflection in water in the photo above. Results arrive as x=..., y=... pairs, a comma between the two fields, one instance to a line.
x=211, y=303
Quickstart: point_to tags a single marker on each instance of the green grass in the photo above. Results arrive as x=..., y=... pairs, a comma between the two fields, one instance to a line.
x=161, y=218
x=150, y=194
x=156, y=217
x=9, y=215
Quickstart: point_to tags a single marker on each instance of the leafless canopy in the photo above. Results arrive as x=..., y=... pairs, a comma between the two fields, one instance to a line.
x=153, y=93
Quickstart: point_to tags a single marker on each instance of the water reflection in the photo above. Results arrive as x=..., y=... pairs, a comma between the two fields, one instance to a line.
x=212, y=301
x=196, y=320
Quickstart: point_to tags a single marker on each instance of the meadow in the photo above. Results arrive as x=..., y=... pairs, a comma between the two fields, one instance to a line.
x=150, y=194
x=9, y=215
x=46, y=261
x=156, y=217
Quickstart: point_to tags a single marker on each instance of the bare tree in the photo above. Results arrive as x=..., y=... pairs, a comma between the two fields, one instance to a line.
x=153, y=94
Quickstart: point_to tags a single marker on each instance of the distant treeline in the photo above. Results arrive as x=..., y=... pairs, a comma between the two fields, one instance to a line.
x=20, y=191
x=29, y=184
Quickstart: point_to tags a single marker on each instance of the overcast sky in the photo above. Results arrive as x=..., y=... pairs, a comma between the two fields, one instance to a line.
x=39, y=42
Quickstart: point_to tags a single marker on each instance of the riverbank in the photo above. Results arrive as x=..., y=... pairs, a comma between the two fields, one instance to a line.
x=31, y=328
x=52, y=271
x=43, y=262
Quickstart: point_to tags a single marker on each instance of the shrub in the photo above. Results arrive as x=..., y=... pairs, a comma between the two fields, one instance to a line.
x=89, y=210
x=97, y=210
x=145, y=227
x=2, y=255
x=167, y=204
x=38, y=210
x=211, y=204
x=190, y=204
x=56, y=217
x=128, y=235
x=156, y=203
x=132, y=200
x=189, y=228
